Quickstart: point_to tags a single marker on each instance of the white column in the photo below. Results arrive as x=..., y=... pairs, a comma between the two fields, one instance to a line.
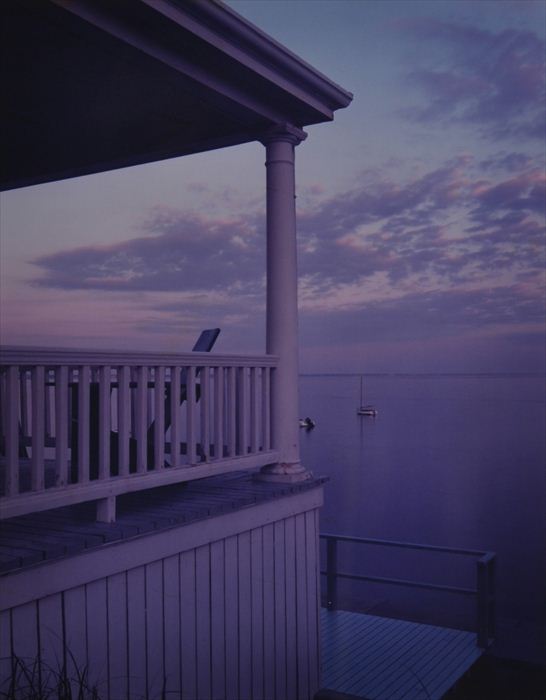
x=282, y=302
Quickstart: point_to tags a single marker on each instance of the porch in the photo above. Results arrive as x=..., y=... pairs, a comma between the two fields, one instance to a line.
x=156, y=596
x=80, y=426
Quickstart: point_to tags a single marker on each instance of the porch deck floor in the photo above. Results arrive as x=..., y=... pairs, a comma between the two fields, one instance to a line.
x=379, y=658
x=32, y=539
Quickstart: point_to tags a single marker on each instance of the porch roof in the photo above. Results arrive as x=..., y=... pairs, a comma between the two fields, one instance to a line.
x=95, y=85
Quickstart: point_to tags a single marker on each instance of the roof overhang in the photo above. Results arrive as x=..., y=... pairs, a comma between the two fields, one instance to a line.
x=93, y=85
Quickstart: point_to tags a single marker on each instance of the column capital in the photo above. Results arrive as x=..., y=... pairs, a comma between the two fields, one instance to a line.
x=283, y=132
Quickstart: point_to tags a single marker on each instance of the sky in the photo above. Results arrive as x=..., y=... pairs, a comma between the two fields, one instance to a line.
x=421, y=209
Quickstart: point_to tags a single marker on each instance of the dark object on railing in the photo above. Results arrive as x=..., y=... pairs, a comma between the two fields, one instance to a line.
x=204, y=343
x=485, y=579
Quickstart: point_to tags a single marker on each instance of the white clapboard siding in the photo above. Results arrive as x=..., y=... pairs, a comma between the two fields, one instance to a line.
x=172, y=607
x=96, y=610
x=136, y=632
x=116, y=591
x=234, y=616
x=75, y=635
x=50, y=633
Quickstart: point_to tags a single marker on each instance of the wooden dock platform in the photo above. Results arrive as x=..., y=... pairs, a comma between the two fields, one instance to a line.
x=379, y=658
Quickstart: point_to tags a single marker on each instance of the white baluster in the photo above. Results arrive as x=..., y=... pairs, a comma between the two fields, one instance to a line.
x=159, y=423
x=253, y=410
x=191, y=415
x=242, y=410
x=266, y=408
x=84, y=379
x=38, y=428
x=205, y=420
x=176, y=427
x=218, y=412
x=61, y=425
x=12, y=430
x=231, y=412
x=25, y=404
x=124, y=419
x=49, y=398
x=142, y=419
x=104, y=422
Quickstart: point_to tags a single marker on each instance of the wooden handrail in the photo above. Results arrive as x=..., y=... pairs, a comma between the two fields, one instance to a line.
x=51, y=357
x=75, y=425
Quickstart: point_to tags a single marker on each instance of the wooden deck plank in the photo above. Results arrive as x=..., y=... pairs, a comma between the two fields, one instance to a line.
x=395, y=655
x=387, y=659
x=467, y=657
x=361, y=634
x=65, y=531
x=425, y=658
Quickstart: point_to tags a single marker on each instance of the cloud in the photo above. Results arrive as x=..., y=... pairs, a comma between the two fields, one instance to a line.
x=493, y=80
x=180, y=252
x=506, y=161
x=459, y=246
x=422, y=316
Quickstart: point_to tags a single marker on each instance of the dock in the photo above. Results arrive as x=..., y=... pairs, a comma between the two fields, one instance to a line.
x=379, y=658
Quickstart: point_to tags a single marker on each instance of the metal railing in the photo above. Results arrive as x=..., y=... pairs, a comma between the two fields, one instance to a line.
x=484, y=591
x=82, y=425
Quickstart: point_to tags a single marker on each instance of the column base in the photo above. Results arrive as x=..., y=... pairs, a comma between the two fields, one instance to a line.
x=283, y=472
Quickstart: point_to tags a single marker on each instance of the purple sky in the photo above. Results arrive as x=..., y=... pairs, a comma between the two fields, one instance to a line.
x=421, y=209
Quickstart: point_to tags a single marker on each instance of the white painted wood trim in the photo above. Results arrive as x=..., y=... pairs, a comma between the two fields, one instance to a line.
x=218, y=411
x=49, y=357
x=191, y=414
x=124, y=419
x=54, y=576
x=12, y=431
x=176, y=419
x=142, y=419
x=30, y=502
x=104, y=422
x=38, y=427
x=159, y=418
x=84, y=379
x=61, y=425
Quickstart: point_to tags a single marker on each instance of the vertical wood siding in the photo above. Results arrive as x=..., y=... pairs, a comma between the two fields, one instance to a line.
x=236, y=618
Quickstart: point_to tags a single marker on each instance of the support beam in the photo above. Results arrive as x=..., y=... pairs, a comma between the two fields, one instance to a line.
x=282, y=301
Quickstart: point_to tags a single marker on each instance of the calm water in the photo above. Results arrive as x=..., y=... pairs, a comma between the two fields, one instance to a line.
x=451, y=460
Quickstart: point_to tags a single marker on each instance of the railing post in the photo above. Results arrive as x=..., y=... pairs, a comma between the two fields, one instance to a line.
x=331, y=573
x=12, y=429
x=106, y=510
x=485, y=586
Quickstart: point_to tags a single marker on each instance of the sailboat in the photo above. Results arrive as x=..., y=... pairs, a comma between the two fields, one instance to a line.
x=365, y=409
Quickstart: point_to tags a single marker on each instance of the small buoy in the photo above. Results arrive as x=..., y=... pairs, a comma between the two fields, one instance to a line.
x=307, y=423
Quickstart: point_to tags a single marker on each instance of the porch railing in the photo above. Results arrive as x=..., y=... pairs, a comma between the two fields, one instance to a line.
x=484, y=591
x=81, y=425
